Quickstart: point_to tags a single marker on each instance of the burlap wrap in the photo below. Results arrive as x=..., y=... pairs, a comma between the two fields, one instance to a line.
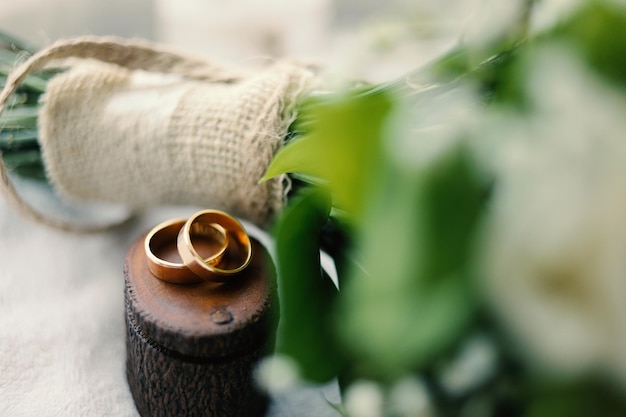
x=142, y=134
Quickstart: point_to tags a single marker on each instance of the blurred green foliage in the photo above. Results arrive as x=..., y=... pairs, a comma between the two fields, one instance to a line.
x=597, y=31
x=576, y=399
x=19, y=147
x=340, y=146
x=409, y=294
x=413, y=295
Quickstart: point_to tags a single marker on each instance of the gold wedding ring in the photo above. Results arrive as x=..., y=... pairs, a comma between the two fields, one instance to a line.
x=166, y=234
x=238, y=253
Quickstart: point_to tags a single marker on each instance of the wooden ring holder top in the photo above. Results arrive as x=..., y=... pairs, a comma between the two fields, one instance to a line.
x=192, y=348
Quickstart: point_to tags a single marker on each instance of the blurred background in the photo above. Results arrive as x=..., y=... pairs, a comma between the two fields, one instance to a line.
x=556, y=238
x=362, y=39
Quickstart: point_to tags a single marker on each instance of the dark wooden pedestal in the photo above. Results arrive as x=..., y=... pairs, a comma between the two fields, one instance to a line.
x=191, y=349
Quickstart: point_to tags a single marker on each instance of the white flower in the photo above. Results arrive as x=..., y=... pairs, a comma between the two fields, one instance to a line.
x=364, y=399
x=420, y=136
x=475, y=364
x=548, y=13
x=494, y=19
x=556, y=242
x=276, y=374
x=409, y=398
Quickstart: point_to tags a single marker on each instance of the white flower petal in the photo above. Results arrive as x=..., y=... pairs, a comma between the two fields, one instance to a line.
x=557, y=236
x=364, y=399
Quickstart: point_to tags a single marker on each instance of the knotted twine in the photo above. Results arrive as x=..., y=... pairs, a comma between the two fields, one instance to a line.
x=140, y=125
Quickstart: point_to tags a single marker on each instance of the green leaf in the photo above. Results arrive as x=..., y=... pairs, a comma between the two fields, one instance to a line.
x=306, y=297
x=341, y=146
x=413, y=297
x=14, y=139
x=576, y=399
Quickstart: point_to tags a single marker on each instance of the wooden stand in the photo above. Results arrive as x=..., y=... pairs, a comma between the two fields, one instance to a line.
x=191, y=349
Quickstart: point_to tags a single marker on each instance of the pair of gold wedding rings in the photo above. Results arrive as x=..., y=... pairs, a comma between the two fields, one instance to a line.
x=212, y=245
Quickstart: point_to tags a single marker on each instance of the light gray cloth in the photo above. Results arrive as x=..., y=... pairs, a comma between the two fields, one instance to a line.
x=62, y=332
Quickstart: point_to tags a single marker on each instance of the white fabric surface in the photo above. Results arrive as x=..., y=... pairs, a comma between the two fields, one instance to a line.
x=62, y=332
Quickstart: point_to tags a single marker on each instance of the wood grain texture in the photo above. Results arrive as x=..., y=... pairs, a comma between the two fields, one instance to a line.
x=191, y=349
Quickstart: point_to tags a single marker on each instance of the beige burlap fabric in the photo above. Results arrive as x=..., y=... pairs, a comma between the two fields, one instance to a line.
x=165, y=130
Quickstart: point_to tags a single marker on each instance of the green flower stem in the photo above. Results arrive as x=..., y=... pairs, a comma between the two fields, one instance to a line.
x=26, y=163
x=19, y=147
x=20, y=117
x=16, y=140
